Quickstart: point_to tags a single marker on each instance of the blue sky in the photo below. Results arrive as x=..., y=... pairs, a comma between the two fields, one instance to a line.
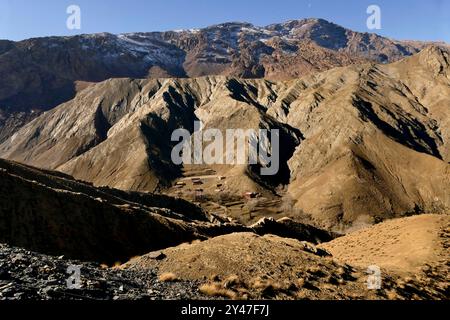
x=401, y=19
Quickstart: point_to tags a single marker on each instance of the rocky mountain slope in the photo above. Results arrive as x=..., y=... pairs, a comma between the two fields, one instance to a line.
x=55, y=214
x=389, y=151
x=359, y=144
x=38, y=74
x=52, y=213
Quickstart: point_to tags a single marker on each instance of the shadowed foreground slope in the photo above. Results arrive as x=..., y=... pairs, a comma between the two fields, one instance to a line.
x=54, y=214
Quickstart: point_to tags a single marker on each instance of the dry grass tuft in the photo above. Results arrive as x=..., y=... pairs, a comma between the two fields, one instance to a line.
x=392, y=295
x=216, y=290
x=300, y=283
x=268, y=288
x=215, y=278
x=231, y=281
x=168, y=277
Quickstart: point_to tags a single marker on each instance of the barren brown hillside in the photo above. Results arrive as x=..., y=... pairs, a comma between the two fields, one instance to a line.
x=247, y=265
x=405, y=246
x=40, y=73
x=359, y=143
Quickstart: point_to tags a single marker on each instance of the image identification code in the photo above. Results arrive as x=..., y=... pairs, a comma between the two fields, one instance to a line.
x=228, y=310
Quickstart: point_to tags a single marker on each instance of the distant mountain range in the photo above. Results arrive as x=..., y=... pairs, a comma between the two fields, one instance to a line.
x=39, y=74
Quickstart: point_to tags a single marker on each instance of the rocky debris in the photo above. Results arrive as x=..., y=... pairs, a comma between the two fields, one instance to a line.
x=26, y=275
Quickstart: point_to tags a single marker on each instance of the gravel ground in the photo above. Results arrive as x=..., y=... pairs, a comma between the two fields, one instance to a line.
x=26, y=275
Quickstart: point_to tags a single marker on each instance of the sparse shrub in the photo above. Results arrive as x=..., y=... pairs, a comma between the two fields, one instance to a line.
x=216, y=290
x=300, y=283
x=231, y=281
x=334, y=280
x=259, y=283
x=302, y=295
x=317, y=271
x=215, y=278
x=268, y=288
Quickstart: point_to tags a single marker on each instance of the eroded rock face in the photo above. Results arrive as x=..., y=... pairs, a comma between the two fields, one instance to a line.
x=39, y=74
x=358, y=144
